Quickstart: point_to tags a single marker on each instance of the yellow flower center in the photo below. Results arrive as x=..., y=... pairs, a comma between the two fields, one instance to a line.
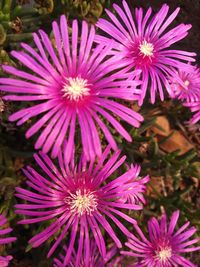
x=82, y=202
x=164, y=254
x=146, y=49
x=75, y=88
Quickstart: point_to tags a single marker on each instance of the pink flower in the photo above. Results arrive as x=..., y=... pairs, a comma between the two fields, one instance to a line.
x=144, y=42
x=4, y=261
x=195, y=108
x=5, y=240
x=165, y=246
x=79, y=201
x=187, y=88
x=134, y=194
x=73, y=82
x=95, y=260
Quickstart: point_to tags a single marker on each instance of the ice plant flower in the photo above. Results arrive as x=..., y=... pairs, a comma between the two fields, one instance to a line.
x=79, y=200
x=73, y=82
x=4, y=261
x=187, y=88
x=96, y=259
x=165, y=245
x=195, y=108
x=134, y=194
x=144, y=42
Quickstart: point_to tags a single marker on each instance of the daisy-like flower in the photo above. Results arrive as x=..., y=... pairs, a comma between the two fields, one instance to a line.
x=134, y=194
x=95, y=258
x=144, y=42
x=79, y=200
x=195, y=108
x=72, y=82
x=165, y=245
x=187, y=88
x=4, y=261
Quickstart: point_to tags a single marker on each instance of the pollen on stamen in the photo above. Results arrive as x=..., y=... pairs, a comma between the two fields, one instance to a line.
x=75, y=88
x=164, y=254
x=146, y=49
x=82, y=202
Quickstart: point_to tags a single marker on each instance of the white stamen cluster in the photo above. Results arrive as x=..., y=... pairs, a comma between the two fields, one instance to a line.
x=146, y=49
x=164, y=254
x=75, y=88
x=82, y=202
x=186, y=82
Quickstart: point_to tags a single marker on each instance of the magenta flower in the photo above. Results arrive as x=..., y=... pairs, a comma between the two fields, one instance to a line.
x=145, y=43
x=4, y=261
x=96, y=259
x=72, y=82
x=134, y=194
x=79, y=200
x=187, y=88
x=165, y=246
x=195, y=108
x=5, y=240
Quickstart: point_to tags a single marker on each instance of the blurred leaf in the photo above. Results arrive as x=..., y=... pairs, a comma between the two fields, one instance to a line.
x=162, y=126
x=2, y=34
x=176, y=142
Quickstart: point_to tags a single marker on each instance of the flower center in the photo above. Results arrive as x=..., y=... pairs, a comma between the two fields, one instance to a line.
x=164, y=254
x=146, y=49
x=186, y=82
x=75, y=88
x=82, y=202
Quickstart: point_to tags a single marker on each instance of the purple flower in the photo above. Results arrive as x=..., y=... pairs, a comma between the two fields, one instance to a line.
x=145, y=43
x=4, y=261
x=5, y=240
x=165, y=246
x=95, y=258
x=187, y=88
x=134, y=194
x=72, y=82
x=79, y=200
x=195, y=108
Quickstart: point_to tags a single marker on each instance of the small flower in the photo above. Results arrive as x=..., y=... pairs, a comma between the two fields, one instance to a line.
x=96, y=259
x=195, y=108
x=165, y=246
x=134, y=194
x=187, y=87
x=79, y=200
x=4, y=261
x=144, y=42
x=72, y=82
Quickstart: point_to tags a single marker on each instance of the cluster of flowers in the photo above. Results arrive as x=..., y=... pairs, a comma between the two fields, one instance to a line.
x=73, y=79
